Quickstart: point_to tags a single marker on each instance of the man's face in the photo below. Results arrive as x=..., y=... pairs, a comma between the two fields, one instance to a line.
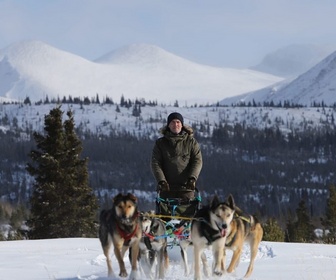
x=175, y=126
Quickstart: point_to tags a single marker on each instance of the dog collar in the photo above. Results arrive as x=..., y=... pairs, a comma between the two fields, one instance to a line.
x=127, y=236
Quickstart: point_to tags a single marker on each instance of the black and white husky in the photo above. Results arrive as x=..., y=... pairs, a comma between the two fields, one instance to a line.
x=219, y=227
x=153, y=246
x=209, y=229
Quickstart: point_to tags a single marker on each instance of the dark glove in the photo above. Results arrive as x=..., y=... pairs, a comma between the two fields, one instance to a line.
x=191, y=184
x=163, y=186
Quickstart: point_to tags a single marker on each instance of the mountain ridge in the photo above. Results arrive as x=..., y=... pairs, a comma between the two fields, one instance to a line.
x=42, y=70
x=316, y=86
x=293, y=60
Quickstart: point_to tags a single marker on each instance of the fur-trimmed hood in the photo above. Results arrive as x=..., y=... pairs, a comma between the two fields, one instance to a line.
x=187, y=129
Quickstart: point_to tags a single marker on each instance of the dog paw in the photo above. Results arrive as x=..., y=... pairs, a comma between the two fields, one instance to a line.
x=134, y=275
x=230, y=270
x=123, y=274
x=217, y=273
x=207, y=272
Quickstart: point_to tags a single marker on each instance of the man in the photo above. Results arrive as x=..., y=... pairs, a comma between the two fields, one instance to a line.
x=176, y=159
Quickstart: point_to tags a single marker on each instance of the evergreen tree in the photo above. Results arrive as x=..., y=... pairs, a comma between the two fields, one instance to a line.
x=329, y=222
x=62, y=203
x=302, y=230
x=27, y=101
x=97, y=99
x=136, y=110
x=272, y=231
x=122, y=101
x=86, y=101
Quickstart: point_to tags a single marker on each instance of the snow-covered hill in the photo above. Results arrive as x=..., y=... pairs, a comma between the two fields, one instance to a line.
x=37, y=70
x=314, y=86
x=104, y=119
x=293, y=60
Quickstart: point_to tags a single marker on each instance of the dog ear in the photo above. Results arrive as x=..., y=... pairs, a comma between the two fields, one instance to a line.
x=142, y=215
x=117, y=198
x=214, y=202
x=145, y=214
x=231, y=202
x=132, y=197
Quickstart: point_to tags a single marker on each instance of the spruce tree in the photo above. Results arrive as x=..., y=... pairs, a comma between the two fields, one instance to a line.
x=62, y=202
x=272, y=231
x=329, y=222
x=302, y=229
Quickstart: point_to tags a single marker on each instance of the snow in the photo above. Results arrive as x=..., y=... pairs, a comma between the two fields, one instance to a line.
x=83, y=258
x=293, y=60
x=143, y=71
x=36, y=70
x=103, y=119
x=317, y=85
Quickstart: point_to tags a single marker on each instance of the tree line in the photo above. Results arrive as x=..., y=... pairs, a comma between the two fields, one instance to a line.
x=268, y=172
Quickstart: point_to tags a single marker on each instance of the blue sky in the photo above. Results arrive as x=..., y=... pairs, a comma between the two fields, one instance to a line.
x=225, y=33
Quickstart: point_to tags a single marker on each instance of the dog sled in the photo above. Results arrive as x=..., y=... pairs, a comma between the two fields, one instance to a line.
x=177, y=208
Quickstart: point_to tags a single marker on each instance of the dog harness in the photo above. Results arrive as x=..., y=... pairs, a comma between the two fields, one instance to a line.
x=209, y=232
x=246, y=224
x=127, y=236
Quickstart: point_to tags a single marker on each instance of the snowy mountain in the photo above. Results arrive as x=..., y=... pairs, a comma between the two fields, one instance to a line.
x=149, y=56
x=315, y=86
x=293, y=60
x=37, y=70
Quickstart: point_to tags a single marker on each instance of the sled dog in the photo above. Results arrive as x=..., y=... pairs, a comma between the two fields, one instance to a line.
x=209, y=228
x=243, y=228
x=220, y=227
x=121, y=227
x=153, y=245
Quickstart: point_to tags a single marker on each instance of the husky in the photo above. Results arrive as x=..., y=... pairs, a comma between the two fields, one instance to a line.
x=243, y=228
x=219, y=227
x=209, y=228
x=121, y=226
x=153, y=245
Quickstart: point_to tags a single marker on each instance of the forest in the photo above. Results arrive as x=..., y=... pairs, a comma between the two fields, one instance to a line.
x=267, y=171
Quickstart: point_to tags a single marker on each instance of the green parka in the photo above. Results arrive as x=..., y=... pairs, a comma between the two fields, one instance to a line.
x=176, y=158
